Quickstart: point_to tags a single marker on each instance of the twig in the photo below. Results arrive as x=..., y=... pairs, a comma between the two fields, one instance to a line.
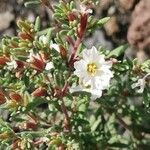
x=123, y=123
x=47, y=4
x=63, y=107
x=67, y=119
x=76, y=45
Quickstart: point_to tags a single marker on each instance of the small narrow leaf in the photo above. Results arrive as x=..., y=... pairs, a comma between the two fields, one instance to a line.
x=32, y=3
x=102, y=21
x=36, y=102
x=37, y=24
x=118, y=51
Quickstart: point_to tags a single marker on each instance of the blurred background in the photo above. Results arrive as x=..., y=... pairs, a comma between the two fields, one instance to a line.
x=130, y=22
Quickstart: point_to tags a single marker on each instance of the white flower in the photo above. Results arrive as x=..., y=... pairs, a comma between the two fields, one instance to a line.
x=12, y=64
x=140, y=83
x=55, y=46
x=83, y=9
x=49, y=66
x=44, y=40
x=93, y=71
x=30, y=57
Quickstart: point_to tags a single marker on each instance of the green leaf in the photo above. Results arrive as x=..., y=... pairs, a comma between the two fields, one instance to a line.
x=96, y=124
x=32, y=3
x=118, y=51
x=37, y=24
x=102, y=21
x=36, y=102
x=146, y=97
x=119, y=145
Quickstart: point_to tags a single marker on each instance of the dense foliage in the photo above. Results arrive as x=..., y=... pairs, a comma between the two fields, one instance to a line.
x=39, y=69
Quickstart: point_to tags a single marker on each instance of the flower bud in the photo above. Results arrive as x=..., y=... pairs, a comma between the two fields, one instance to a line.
x=15, y=144
x=71, y=16
x=61, y=147
x=15, y=96
x=31, y=125
x=63, y=51
x=37, y=64
x=57, y=92
x=39, y=92
x=3, y=60
x=2, y=98
x=113, y=60
x=82, y=26
x=25, y=36
x=20, y=64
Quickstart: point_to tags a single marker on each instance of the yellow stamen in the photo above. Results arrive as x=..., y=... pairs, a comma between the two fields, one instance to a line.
x=92, y=68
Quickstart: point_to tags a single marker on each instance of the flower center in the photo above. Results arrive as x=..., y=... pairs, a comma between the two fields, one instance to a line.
x=92, y=68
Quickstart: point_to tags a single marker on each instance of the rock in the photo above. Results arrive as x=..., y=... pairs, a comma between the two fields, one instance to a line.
x=111, y=26
x=5, y=19
x=139, y=30
x=126, y=4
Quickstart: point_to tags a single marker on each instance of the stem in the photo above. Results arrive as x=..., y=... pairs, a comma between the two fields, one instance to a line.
x=139, y=136
x=65, y=88
x=47, y=4
x=34, y=133
x=123, y=123
x=63, y=107
x=38, y=142
x=67, y=119
x=76, y=45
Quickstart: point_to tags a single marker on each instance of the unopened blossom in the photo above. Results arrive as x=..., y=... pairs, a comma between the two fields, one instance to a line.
x=93, y=71
x=140, y=83
x=36, y=61
x=2, y=98
x=3, y=60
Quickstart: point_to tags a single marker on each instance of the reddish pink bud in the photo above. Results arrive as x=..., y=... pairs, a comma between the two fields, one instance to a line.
x=2, y=98
x=44, y=56
x=39, y=92
x=38, y=64
x=82, y=27
x=57, y=92
x=61, y=147
x=19, y=74
x=114, y=61
x=20, y=64
x=31, y=125
x=63, y=51
x=16, y=144
x=25, y=36
x=3, y=60
x=71, y=16
x=15, y=96
x=125, y=93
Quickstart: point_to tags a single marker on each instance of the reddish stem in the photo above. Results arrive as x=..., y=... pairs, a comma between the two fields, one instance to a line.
x=73, y=55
